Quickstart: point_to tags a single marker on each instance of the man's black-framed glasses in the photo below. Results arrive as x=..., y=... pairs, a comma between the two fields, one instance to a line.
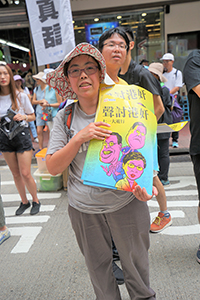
x=113, y=45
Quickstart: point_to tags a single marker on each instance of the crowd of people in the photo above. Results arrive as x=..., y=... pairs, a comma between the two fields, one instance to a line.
x=101, y=218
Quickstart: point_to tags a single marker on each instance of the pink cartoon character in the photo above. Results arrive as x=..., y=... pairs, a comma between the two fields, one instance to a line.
x=110, y=153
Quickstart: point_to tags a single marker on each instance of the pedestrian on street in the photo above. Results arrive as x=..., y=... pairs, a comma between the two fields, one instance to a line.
x=132, y=73
x=156, y=70
x=15, y=140
x=29, y=82
x=191, y=74
x=144, y=62
x=19, y=86
x=38, y=100
x=174, y=83
x=97, y=213
x=52, y=100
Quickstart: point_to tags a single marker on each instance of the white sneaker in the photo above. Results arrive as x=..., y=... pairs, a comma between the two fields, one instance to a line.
x=36, y=140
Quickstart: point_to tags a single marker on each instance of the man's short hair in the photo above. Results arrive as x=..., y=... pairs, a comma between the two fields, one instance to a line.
x=119, y=138
x=128, y=31
x=143, y=61
x=108, y=33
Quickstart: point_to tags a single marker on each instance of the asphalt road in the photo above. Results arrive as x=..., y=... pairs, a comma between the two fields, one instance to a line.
x=42, y=261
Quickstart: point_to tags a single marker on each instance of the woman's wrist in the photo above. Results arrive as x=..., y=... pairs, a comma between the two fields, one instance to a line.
x=26, y=118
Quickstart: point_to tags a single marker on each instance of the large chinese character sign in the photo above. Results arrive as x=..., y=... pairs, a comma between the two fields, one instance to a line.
x=129, y=155
x=52, y=29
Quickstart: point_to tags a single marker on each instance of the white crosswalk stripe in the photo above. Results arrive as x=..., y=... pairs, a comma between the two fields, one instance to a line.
x=29, y=233
x=16, y=197
x=27, y=238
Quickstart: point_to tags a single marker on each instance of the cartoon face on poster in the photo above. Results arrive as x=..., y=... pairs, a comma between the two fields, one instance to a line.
x=126, y=158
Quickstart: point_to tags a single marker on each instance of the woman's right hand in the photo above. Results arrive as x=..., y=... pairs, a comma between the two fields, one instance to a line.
x=93, y=131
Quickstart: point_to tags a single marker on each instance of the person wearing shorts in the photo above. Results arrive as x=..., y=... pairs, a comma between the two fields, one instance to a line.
x=15, y=142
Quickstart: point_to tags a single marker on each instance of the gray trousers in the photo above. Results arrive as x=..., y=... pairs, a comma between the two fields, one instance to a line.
x=129, y=228
x=2, y=217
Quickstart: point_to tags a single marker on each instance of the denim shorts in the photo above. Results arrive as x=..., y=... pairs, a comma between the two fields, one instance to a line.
x=39, y=121
x=20, y=143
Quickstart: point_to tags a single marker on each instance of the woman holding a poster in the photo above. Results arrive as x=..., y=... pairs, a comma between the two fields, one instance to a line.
x=97, y=213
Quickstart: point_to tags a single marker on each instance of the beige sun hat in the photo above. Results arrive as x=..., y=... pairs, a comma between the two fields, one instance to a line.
x=157, y=68
x=57, y=79
x=46, y=71
x=39, y=76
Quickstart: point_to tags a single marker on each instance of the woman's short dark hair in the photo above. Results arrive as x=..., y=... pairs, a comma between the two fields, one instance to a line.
x=108, y=33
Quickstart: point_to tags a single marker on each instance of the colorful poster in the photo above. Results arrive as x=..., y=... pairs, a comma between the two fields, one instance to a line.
x=127, y=157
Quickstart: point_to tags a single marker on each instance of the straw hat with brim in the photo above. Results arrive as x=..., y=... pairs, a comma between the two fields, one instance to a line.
x=39, y=76
x=157, y=68
x=57, y=79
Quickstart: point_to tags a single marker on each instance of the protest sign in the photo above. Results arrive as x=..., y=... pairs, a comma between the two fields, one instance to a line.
x=52, y=29
x=129, y=156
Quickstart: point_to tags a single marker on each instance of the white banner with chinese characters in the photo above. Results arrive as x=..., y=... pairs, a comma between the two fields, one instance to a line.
x=52, y=29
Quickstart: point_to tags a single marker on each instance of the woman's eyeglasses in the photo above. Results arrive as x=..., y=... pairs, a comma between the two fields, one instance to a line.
x=75, y=72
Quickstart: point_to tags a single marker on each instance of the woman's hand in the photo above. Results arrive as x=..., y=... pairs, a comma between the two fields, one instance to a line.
x=19, y=117
x=141, y=193
x=93, y=131
x=44, y=103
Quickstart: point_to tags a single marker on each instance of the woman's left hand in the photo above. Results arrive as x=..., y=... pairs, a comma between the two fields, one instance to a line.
x=141, y=193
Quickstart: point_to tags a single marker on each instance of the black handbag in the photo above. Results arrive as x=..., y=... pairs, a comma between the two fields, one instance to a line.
x=10, y=127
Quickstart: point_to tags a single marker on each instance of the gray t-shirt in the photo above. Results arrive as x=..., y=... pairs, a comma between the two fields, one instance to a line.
x=85, y=198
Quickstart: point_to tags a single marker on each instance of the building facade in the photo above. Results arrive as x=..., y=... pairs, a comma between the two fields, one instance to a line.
x=159, y=26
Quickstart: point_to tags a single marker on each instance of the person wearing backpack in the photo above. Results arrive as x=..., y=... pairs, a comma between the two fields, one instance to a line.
x=174, y=83
x=134, y=73
x=96, y=213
